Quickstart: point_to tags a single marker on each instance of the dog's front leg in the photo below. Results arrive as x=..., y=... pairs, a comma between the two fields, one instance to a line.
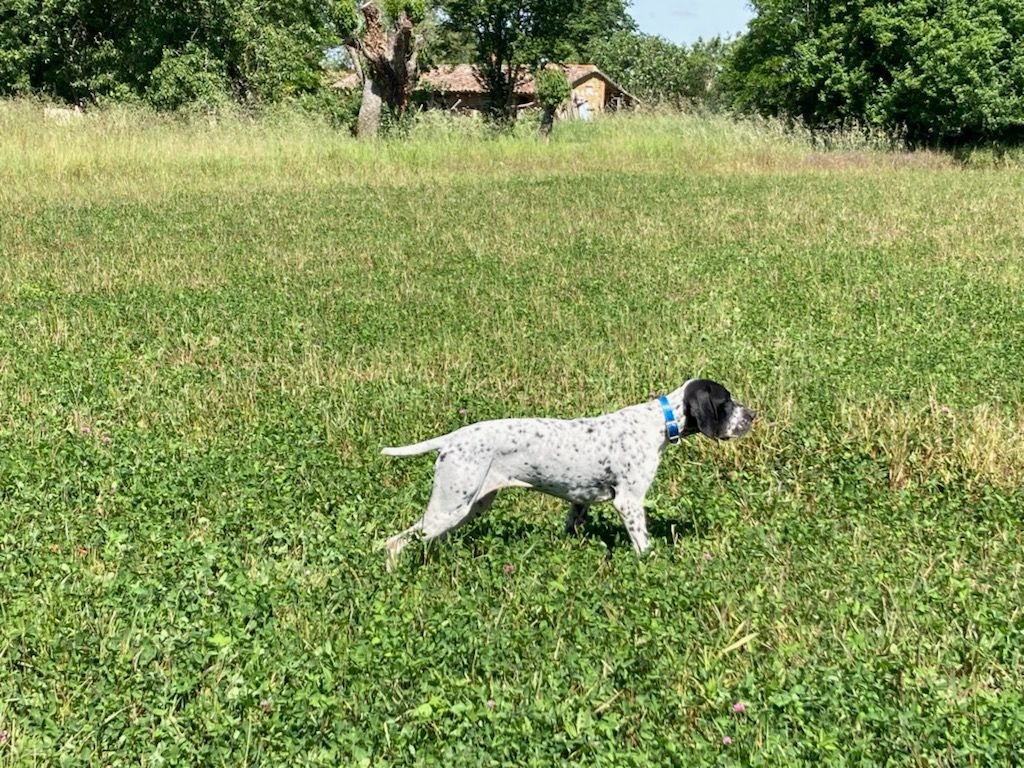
x=632, y=512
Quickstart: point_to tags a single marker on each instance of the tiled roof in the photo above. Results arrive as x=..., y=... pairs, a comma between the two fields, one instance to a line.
x=465, y=78
x=575, y=72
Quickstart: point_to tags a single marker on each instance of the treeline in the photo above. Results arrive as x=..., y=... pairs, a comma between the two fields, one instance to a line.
x=168, y=53
x=933, y=72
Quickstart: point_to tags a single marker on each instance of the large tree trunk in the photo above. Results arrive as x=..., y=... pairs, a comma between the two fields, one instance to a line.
x=390, y=71
x=368, y=124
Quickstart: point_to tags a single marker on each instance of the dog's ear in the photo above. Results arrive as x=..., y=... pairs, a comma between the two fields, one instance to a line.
x=701, y=408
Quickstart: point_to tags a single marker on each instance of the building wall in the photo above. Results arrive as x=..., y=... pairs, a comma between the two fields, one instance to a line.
x=591, y=90
x=465, y=102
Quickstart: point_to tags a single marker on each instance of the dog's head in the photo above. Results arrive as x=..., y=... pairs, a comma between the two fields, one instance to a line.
x=709, y=408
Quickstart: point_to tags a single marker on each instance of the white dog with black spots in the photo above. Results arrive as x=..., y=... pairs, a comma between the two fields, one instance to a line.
x=585, y=461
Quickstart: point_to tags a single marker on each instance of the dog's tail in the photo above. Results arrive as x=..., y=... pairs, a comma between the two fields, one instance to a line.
x=417, y=448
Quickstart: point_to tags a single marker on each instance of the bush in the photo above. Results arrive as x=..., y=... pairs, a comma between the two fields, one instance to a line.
x=552, y=88
x=279, y=64
x=187, y=78
x=339, y=108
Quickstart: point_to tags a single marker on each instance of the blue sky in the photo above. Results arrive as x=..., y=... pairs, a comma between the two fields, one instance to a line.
x=683, y=21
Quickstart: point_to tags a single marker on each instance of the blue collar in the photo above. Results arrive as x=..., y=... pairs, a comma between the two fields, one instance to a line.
x=671, y=425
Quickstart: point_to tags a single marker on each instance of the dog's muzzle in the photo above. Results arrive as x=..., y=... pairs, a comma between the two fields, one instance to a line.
x=740, y=422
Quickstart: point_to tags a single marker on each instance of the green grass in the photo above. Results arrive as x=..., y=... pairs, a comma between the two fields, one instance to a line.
x=207, y=331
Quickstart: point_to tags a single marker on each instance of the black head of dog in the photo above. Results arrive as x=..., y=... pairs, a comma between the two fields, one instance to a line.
x=709, y=408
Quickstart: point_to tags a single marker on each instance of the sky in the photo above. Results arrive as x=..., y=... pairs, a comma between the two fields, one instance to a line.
x=683, y=21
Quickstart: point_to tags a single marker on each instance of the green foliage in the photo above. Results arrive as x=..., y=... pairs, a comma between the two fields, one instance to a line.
x=650, y=67
x=71, y=49
x=508, y=36
x=338, y=107
x=279, y=63
x=168, y=53
x=416, y=10
x=445, y=44
x=206, y=339
x=937, y=72
x=658, y=71
x=345, y=18
x=964, y=77
x=552, y=87
x=186, y=79
x=590, y=19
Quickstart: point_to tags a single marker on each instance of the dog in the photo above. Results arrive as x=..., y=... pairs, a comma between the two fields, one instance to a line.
x=584, y=461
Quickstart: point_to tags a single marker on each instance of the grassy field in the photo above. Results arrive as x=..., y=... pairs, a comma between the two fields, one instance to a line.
x=207, y=332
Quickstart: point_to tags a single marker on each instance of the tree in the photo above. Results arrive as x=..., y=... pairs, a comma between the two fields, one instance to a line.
x=512, y=36
x=592, y=19
x=935, y=71
x=508, y=36
x=384, y=49
x=658, y=71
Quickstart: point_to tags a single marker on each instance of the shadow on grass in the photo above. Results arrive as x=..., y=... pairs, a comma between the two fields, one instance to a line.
x=510, y=530
x=662, y=532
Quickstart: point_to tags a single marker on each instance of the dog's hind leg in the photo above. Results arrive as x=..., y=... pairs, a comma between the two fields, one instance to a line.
x=577, y=518
x=481, y=505
x=399, y=541
x=455, y=500
x=450, y=508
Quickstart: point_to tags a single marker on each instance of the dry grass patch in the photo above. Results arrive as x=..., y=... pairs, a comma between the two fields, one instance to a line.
x=935, y=443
